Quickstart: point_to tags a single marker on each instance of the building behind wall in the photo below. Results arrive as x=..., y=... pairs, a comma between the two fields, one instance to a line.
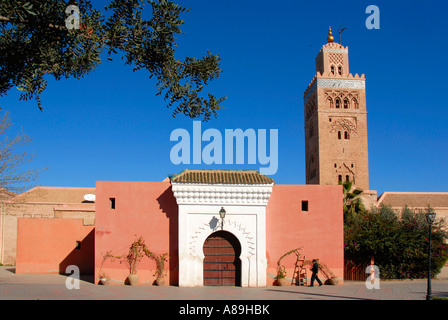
x=39, y=203
x=417, y=201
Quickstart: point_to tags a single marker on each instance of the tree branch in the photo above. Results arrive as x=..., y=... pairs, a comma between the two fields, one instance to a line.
x=11, y=20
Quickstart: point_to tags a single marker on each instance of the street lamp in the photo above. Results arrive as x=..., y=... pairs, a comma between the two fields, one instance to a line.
x=222, y=214
x=430, y=218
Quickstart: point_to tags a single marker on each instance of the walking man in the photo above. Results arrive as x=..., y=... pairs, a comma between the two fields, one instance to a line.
x=315, y=270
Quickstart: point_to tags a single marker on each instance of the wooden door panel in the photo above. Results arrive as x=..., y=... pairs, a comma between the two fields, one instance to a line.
x=221, y=253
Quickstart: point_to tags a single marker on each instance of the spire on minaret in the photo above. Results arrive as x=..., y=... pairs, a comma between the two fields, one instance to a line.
x=330, y=35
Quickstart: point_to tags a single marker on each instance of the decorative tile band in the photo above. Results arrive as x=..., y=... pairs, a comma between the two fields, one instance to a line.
x=335, y=50
x=335, y=83
x=341, y=83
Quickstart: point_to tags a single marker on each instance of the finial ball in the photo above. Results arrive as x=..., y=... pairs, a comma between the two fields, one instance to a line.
x=330, y=35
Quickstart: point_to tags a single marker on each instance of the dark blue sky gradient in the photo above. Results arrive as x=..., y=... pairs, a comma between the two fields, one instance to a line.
x=111, y=126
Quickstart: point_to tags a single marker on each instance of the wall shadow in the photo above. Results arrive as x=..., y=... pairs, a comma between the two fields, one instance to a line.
x=320, y=295
x=82, y=257
x=168, y=205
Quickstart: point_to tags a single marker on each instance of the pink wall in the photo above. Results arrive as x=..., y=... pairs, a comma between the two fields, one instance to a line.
x=146, y=209
x=48, y=245
x=149, y=209
x=320, y=230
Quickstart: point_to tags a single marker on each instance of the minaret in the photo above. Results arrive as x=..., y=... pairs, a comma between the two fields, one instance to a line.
x=336, y=121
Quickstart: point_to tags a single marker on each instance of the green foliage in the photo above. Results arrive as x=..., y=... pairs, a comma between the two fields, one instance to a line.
x=281, y=271
x=135, y=254
x=159, y=259
x=35, y=43
x=137, y=251
x=352, y=201
x=398, y=242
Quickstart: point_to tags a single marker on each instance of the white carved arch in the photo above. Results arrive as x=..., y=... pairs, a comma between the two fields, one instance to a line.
x=246, y=239
x=245, y=219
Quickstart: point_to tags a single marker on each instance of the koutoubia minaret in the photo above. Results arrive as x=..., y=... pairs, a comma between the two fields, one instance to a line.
x=336, y=121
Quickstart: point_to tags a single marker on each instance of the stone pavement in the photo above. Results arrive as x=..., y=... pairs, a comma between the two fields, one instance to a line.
x=53, y=287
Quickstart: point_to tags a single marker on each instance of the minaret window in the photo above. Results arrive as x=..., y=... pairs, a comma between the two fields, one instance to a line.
x=340, y=70
x=346, y=135
x=345, y=104
x=339, y=135
x=332, y=69
x=347, y=178
x=338, y=103
x=340, y=178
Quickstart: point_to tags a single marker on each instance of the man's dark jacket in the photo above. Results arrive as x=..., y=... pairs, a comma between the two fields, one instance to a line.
x=315, y=267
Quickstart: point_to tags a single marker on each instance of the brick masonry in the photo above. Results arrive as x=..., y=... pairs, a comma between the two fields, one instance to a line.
x=336, y=122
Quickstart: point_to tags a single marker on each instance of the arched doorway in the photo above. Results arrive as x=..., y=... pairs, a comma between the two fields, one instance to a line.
x=222, y=265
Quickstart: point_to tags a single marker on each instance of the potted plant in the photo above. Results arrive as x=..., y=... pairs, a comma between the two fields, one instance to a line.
x=280, y=278
x=160, y=276
x=104, y=279
x=137, y=251
x=134, y=256
x=160, y=260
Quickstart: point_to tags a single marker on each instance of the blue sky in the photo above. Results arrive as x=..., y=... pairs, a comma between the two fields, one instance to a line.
x=111, y=126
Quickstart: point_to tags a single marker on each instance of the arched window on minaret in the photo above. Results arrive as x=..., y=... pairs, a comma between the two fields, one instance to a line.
x=340, y=178
x=346, y=104
x=338, y=103
x=346, y=135
x=329, y=102
x=340, y=70
x=332, y=69
x=347, y=178
x=355, y=103
x=339, y=135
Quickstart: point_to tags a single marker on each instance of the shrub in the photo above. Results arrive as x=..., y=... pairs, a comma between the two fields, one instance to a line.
x=398, y=242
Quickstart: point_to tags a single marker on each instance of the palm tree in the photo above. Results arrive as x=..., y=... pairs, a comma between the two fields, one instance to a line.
x=352, y=200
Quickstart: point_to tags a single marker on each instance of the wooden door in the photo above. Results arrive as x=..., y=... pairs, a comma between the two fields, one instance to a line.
x=222, y=265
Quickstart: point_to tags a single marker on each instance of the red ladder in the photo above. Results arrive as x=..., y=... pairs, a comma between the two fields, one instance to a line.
x=299, y=277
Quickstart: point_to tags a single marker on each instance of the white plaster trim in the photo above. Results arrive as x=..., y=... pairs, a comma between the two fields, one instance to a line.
x=199, y=206
x=224, y=194
x=230, y=224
